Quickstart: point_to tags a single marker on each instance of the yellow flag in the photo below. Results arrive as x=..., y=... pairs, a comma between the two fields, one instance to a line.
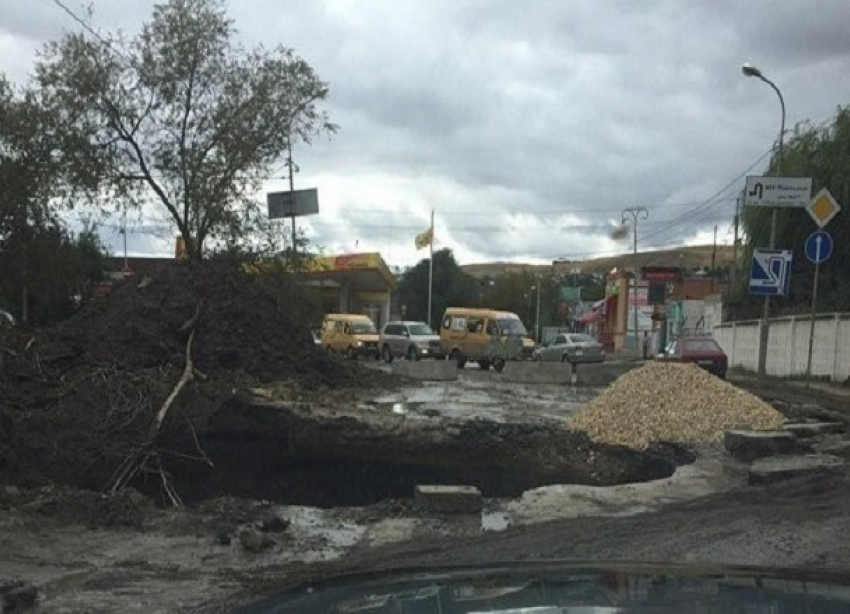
x=425, y=238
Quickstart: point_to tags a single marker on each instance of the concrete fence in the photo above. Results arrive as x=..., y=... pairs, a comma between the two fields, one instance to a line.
x=788, y=345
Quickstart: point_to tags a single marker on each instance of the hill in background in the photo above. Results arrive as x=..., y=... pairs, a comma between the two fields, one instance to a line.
x=689, y=258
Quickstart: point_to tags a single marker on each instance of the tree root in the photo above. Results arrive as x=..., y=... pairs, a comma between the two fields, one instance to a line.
x=147, y=457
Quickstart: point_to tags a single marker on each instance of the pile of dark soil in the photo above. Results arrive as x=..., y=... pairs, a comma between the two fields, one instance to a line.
x=77, y=399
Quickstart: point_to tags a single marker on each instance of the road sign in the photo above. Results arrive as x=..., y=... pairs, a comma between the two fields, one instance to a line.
x=778, y=191
x=771, y=272
x=818, y=246
x=823, y=208
x=292, y=204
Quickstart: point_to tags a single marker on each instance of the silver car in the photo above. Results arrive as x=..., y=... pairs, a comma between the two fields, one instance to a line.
x=572, y=348
x=413, y=340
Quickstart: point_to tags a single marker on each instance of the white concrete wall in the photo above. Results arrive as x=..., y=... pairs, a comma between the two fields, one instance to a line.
x=788, y=345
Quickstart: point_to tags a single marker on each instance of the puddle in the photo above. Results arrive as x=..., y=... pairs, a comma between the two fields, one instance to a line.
x=494, y=521
x=320, y=536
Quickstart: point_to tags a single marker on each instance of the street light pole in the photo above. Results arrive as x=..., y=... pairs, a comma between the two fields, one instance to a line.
x=635, y=213
x=764, y=333
x=537, y=320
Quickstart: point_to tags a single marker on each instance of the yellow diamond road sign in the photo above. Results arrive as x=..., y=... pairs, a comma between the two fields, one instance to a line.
x=823, y=208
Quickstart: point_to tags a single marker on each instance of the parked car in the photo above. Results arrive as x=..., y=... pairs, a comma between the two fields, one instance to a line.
x=702, y=351
x=572, y=348
x=351, y=335
x=412, y=340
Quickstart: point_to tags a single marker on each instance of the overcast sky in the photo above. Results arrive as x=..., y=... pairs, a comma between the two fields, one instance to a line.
x=528, y=126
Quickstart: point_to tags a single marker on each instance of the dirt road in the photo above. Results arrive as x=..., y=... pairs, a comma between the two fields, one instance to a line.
x=87, y=553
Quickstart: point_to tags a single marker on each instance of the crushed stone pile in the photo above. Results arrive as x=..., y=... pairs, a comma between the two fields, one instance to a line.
x=678, y=403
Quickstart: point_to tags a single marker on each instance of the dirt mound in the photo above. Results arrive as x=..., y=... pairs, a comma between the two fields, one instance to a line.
x=78, y=400
x=671, y=402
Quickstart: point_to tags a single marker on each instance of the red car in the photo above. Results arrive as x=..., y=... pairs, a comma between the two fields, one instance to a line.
x=702, y=351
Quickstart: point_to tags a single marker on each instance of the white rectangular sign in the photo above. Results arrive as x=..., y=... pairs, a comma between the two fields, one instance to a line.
x=778, y=191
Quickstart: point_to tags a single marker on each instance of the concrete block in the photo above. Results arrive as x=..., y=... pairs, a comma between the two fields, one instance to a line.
x=445, y=499
x=747, y=446
x=806, y=430
x=528, y=372
x=426, y=370
x=778, y=468
x=603, y=373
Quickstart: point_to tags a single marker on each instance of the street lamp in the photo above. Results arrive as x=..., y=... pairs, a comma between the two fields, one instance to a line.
x=764, y=334
x=635, y=213
x=537, y=318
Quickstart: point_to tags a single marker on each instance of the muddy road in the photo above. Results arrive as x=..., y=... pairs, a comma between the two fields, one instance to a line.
x=83, y=551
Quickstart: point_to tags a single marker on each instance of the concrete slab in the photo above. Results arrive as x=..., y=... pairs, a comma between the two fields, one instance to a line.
x=426, y=370
x=778, y=468
x=528, y=372
x=806, y=430
x=446, y=499
x=603, y=373
x=748, y=446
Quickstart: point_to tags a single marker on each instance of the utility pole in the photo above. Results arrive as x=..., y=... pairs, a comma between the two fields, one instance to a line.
x=291, y=174
x=537, y=320
x=713, y=259
x=636, y=214
x=735, y=245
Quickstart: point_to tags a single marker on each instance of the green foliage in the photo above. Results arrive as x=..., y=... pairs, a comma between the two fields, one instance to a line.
x=452, y=288
x=43, y=268
x=822, y=153
x=181, y=116
x=60, y=268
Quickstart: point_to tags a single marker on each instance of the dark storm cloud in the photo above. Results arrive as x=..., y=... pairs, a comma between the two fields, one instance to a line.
x=530, y=126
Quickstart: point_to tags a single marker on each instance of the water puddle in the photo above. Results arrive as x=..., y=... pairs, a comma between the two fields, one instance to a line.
x=494, y=522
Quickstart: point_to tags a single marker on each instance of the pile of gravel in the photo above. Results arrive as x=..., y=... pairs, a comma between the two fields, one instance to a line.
x=678, y=403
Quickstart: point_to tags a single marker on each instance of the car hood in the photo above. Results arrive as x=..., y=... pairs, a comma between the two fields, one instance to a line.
x=558, y=587
x=425, y=338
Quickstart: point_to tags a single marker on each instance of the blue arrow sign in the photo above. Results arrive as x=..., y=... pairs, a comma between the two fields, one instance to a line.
x=818, y=246
x=771, y=272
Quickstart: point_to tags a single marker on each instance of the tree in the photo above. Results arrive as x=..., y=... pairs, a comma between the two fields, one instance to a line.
x=43, y=268
x=181, y=116
x=822, y=153
x=452, y=288
x=28, y=173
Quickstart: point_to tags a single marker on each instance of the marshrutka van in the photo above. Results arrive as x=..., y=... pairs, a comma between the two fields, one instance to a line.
x=351, y=335
x=486, y=336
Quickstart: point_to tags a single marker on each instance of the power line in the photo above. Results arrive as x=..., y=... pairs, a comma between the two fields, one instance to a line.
x=688, y=215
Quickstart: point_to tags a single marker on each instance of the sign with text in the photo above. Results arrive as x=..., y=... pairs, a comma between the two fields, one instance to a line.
x=786, y=192
x=661, y=273
x=292, y=204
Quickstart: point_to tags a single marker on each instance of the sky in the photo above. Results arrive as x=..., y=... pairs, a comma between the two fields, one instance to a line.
x=527, y=126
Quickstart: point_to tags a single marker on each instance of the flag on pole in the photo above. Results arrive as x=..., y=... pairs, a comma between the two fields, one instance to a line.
x=426, y=238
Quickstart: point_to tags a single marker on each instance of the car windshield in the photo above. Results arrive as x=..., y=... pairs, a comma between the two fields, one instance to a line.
x=583, y=339
x=512, y=326
x=420, y=330
x=363, y=328
x=701, y=345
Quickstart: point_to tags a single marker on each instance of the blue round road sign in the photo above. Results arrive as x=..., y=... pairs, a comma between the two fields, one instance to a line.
x=818, y=246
